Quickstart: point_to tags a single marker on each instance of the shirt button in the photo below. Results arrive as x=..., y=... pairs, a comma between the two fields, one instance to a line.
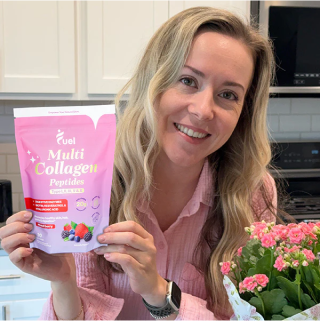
x=160, y=246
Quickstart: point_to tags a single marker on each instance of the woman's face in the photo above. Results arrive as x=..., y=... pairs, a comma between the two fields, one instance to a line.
x=198, y=114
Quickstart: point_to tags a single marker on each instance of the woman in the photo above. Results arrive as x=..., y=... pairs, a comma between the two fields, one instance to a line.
x=190, y=173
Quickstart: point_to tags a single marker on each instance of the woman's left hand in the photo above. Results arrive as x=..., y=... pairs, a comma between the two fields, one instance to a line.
x=131, y=246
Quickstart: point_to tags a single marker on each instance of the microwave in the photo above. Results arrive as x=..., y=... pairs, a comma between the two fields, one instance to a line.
x=294, y=28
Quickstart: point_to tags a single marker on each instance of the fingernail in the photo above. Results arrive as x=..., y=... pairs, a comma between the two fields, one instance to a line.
x=27, y=214
x=98, y=250
x=101, y=238
x=30, y=250
x=107, y=255
x=28, y=227
x=108, y=229
x=31, y=237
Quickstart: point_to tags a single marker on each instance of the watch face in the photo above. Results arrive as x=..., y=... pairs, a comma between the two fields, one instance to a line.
x=176, y=295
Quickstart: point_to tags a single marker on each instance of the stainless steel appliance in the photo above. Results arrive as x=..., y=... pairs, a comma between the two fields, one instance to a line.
x=5, y=200
x=299, y=166
x=294, y=27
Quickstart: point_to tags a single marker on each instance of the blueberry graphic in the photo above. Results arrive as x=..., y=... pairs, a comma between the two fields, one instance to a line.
x=88, y=236
x=72, y=231
x=71, y=237
x=65, y=234
x=77, y=238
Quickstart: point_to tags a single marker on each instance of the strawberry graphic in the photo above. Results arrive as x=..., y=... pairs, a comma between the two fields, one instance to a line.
x=67, y=227
x=81, y=230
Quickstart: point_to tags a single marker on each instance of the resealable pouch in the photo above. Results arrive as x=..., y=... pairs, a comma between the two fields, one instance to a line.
x=66, y=159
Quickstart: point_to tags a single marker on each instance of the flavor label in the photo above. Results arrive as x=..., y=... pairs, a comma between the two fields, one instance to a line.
x=49, y=206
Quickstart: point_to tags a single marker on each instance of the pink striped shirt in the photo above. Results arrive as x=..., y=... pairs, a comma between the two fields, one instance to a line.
x=110, y=299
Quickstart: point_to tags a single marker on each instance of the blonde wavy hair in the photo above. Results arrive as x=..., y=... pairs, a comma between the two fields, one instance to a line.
x=239, y=168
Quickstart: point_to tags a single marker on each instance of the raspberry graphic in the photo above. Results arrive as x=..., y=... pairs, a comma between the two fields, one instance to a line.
x=88, y=236
x=67, y=227
x=81, y=230
x=65, y=234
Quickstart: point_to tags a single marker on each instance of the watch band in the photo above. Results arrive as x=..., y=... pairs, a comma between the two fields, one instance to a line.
x=173, y=298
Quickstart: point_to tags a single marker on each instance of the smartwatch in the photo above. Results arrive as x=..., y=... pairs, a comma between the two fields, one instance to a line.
x=173, y=299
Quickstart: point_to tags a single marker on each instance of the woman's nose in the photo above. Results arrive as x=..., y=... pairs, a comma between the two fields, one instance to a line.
x=202, y=105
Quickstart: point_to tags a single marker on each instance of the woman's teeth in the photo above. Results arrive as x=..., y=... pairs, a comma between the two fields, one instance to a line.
x=190, y=132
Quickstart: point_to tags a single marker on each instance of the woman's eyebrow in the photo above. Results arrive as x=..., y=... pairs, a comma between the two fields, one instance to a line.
x=226, y=83
x=196, y=71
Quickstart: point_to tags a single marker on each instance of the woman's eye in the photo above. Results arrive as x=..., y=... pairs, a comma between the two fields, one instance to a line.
x=229, y=95
x=188, y=82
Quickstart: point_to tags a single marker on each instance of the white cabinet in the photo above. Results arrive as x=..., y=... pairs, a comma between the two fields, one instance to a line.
x=117, y=34
x=21, y=310
x=22, y=295
x=37, y=47
x=241, y=8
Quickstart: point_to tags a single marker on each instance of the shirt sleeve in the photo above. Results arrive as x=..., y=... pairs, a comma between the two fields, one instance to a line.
x=261, y=212
x=97, y=305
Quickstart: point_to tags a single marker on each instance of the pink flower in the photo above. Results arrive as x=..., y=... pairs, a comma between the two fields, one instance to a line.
x=241, y=288
x=296, y=235
x=225, y=268
x=250, y=283
x=293, y=249
x=309, y=254
x=281, y=231
x=262, y=279
x=268, y=240
x=295, y=263
x=280, y=263
x=239, y=251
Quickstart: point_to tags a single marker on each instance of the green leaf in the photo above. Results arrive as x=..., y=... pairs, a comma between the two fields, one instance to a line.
x=274, y=301
x=73, y=225
x=307, y=301
x=66, y=238
x=251, y=272
x=66, y=224
x=289, y=311
x=277, y=317
x=273, y=279
x=257, y=304
x=263, y=264
x=90, y=228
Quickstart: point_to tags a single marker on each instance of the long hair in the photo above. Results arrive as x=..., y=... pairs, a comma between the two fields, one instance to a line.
x=239, y=168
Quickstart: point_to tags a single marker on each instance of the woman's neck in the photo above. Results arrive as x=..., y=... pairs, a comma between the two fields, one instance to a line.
x=173, y=188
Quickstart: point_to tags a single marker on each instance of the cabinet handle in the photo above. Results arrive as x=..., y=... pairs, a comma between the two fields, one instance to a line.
x=9, y=277
x=4, y=312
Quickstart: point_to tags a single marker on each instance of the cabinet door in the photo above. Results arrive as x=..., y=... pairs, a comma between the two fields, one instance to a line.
x=239, y=7
x=117, y=34
x=21, y=310
x=37, y=42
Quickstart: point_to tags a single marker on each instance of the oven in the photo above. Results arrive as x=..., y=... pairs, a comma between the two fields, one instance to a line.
x=298, y=171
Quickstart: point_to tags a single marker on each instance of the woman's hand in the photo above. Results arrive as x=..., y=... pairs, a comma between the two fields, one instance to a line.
x=131, y=246
x=15, y=240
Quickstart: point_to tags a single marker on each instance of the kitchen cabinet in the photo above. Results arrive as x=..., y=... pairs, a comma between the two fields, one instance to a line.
x=80, y=50
x=37, y=47
x=22, y=295
x=238, y=7
x=21, y=310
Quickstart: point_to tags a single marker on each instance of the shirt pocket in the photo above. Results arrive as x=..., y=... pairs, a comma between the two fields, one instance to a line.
x=192, y=281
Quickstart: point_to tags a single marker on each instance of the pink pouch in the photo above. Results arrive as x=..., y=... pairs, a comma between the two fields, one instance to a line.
x=66, y=161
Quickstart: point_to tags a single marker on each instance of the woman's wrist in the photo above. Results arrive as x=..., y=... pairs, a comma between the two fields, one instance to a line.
x=158, y=298
x=66, y=300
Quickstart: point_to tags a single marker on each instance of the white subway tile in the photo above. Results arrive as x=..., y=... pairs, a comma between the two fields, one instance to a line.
x=295, y=123
x=316, y=123
x=3, y=164
x=311, y=136
x=305, y=106
x=273, y=123
x=15, y=202
x=284, y=137
x=15, y=181
x=8, y=149
x=13, y=164
x=279, y=106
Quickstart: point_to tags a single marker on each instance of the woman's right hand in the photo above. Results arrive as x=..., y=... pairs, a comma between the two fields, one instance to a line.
x=15, y=240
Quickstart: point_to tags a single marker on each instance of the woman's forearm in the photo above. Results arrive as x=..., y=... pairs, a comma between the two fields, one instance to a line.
x=66, y=300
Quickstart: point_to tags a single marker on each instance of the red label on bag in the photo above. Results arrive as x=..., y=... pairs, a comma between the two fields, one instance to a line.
x=49, y=206
x=46, y=226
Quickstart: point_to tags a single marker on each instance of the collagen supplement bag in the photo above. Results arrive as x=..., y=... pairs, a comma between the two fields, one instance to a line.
x=66, y=161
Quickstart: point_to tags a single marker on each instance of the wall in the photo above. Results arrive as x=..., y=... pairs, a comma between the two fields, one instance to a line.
x=288, y=119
